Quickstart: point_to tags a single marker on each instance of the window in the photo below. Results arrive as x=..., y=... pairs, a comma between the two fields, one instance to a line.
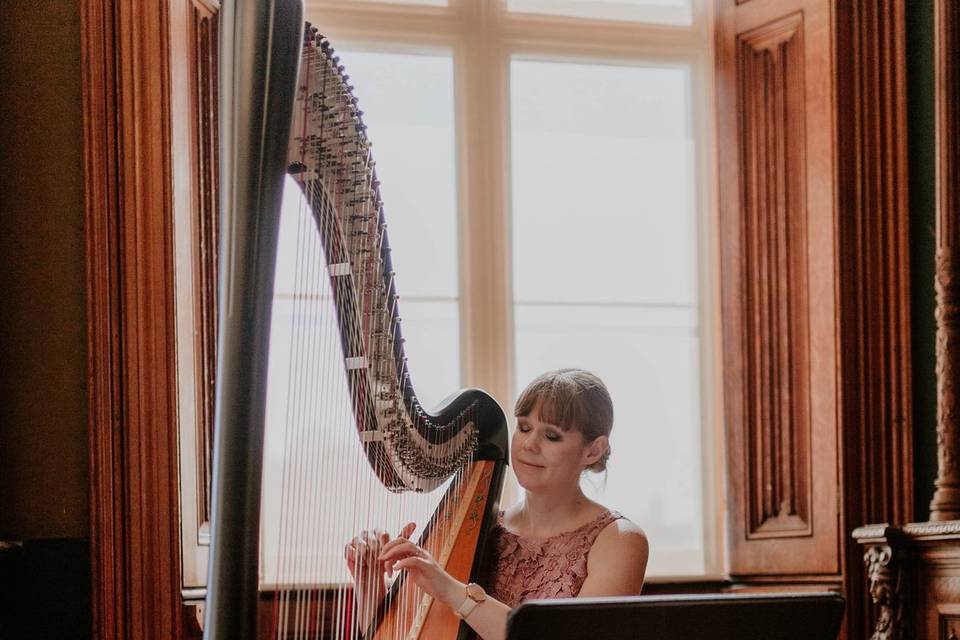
x=546, y=177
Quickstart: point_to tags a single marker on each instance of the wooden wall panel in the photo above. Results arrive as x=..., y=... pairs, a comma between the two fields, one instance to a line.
x=811, y=114
x=777, y=223
x=43, y=434
x=873, y=247
x=778, y=482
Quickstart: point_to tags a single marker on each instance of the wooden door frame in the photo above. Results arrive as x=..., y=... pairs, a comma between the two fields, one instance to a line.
x=132, y=410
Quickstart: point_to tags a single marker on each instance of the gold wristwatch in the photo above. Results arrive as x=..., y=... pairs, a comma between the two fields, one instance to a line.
x=474, y=596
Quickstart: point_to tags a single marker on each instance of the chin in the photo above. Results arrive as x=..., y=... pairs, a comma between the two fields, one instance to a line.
x=528, y=483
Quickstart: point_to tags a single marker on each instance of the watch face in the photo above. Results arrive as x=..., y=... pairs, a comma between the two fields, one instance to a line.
x=476, y=593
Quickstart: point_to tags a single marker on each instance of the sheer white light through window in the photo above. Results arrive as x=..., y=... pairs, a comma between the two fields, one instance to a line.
x=605, y=274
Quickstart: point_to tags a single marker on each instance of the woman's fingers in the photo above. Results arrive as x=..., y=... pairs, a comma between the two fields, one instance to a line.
x=411, y=562
x=404, y=536
x=401, y=549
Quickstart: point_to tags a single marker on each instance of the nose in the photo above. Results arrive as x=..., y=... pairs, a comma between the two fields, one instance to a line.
x=530, y=443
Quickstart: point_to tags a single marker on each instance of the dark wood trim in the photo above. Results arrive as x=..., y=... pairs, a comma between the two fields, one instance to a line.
x=874, y=286
x=205, y=31
x=132, y=390
x=101, y=211
x=946, y=499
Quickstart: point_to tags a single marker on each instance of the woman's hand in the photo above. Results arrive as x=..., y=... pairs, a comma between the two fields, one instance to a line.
x=367, y=570
x=402, y=554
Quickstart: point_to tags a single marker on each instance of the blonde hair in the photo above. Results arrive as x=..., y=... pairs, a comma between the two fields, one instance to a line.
x=571, y=399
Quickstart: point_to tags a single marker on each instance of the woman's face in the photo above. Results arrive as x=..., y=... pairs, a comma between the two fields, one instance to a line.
x=547, y=458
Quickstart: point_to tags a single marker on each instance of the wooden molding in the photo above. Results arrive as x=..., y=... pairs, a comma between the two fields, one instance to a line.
x=774, y=283
x=101, y=213
x=194, y=140
x=873, y=279
x=132, y=390
x=205, y=39
x=946, y=499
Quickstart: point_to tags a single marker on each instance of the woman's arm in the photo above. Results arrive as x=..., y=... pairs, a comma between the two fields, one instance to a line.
x=488, y=618
x=617, y=561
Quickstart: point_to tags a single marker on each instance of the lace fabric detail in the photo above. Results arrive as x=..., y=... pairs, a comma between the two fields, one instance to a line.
x=527, y=568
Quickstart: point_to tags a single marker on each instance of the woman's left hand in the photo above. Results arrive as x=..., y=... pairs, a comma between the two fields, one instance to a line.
x=402, y=554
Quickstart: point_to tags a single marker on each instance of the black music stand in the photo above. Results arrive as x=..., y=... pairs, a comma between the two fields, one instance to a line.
x=778, y=616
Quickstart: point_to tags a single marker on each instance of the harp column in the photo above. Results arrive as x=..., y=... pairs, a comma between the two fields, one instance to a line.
x=946, y=497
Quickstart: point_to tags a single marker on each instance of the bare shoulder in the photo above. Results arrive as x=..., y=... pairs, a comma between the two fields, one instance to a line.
x=621, y=536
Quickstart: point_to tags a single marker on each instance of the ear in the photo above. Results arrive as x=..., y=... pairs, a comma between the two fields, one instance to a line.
x=596, y=450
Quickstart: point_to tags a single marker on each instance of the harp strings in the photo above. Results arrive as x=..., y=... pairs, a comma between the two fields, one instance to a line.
x=322, y=408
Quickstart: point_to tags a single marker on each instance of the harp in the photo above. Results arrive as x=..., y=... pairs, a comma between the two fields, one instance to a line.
x=288, y=113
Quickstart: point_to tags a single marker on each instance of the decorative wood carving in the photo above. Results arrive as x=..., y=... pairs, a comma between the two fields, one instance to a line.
x=884, y=580
x=946, y=499
x=914, y=579
x=948, y=622
x=774, y=263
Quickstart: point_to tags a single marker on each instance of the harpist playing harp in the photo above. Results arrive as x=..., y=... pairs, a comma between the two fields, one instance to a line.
x=353, y=432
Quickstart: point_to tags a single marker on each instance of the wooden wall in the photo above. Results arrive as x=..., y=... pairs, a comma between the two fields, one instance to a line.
x=43, y=439
x=44, y=488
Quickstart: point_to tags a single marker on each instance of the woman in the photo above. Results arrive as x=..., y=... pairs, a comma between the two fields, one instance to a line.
x=556, y=542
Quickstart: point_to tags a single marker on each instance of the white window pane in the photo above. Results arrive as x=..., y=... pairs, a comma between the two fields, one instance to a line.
x=673, y=12
x=605, y=275
x=603, y=184
x=648, y=357
x=407, y=102
x=432, y=335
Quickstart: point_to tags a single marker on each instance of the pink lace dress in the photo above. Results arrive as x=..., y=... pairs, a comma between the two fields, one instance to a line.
x=555, y=567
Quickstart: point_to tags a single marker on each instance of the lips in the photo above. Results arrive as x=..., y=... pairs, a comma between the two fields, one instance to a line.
x=530, y=464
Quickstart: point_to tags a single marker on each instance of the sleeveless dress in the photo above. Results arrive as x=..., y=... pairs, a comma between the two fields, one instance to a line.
x=522, y=568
